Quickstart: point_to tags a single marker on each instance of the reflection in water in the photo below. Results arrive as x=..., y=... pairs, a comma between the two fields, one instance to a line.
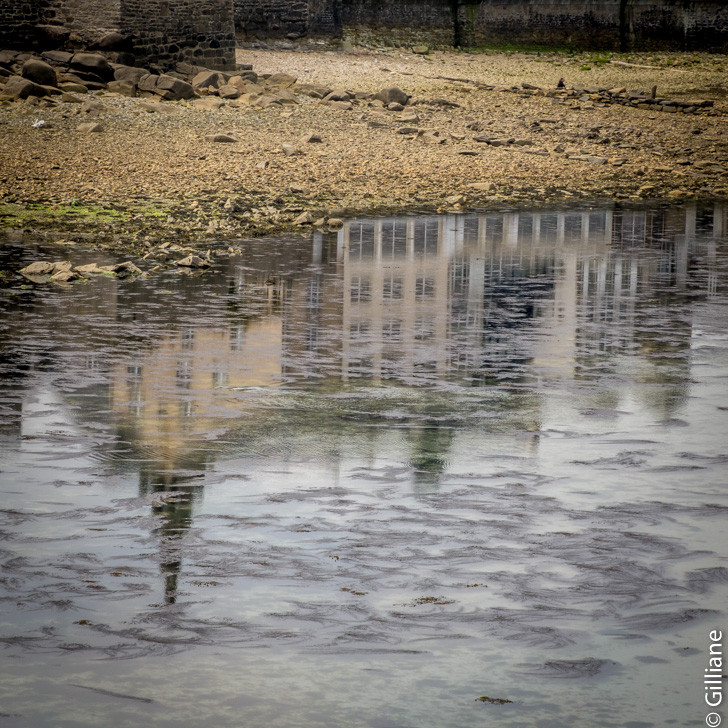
x=439, y=352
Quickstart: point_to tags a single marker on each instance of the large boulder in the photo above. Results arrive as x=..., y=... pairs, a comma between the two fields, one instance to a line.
x=125, y=88
x=392, y=95
x=39, y=72
x=129, y=73
x=62, y=58
x=21, y=88
x=114, y=42
x=281, y=80
x=148, y=82
x=171, y=88
x=93, y=63
x=208, y=79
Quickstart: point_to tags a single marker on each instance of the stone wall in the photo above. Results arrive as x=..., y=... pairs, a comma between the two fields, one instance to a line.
x=167, y=31
x=594, y=24
x=89, y=20
x=402, y=22
x=271, y=18
x=159, y=31
x=287, y=18
x=608, y=24
x=19, y=20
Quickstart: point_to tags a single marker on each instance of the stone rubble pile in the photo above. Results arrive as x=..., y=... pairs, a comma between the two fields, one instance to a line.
x=60, y=75
x=591, y=96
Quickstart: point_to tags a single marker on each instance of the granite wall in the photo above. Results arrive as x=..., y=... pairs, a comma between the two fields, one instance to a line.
x=287, y=18
x=604, y=24
x=159, y=31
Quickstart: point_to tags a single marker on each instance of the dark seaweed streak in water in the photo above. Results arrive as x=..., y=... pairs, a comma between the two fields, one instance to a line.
x=420, y=460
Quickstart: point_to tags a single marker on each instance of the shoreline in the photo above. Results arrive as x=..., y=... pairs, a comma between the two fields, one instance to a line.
x=480, y=131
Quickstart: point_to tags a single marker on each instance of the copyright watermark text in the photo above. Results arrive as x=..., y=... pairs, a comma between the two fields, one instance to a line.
x=713, y=678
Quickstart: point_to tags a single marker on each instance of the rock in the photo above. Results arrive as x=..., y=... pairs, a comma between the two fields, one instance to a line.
x=305, y=218
x=290, y=150
x=192, y=261
x=409, y=117
x=93, y=63
x=335, y=223
x=395, y=107
x=238, y=81
x=224, y=138
x=39, y=72
x=148, y=82
x=523, y=143
x=208, y=79
x=232, y=204
x=313, y=90
x=22, y=88
x=253, y=89
x=266, y=100
x=342, y=105
x=420, y=50
x=90, y=126
x=457, y=136
x=407, y=130
x=69, y=98
x=57, y=57
x=127, y=268
x=338, y=95
x=124, y=88
x=310, y=138
x=114, y=42
x=129, y=73
x=208, y=102
x=92, y=107
x=587, y=158
x=431, y=137
x=392, y=95
x=454, y=199
x=52, y=36
x=173, y=89
x=72, y=88
x=482, y=186
x=281, y=80
x=229, y=91
x=65, y=276
x=158, y=106
x=39, y=268
x=88, y=269
x=285, y=96
x=530, y=87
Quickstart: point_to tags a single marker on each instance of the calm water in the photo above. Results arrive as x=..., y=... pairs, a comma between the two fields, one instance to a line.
x=364, y=479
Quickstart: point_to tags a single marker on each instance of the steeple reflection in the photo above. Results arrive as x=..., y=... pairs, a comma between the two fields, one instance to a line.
x=323, y=348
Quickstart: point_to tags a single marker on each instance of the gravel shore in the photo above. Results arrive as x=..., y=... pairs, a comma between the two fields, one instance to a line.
x=480, y=130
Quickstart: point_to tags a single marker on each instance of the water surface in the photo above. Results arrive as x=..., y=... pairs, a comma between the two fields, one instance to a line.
x=366, y=478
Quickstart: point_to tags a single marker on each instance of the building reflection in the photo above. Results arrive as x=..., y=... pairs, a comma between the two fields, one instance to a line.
x=504, y=298
x=509, y=300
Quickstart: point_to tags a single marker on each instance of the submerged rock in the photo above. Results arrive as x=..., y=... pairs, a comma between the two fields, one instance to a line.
x=192, y=261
